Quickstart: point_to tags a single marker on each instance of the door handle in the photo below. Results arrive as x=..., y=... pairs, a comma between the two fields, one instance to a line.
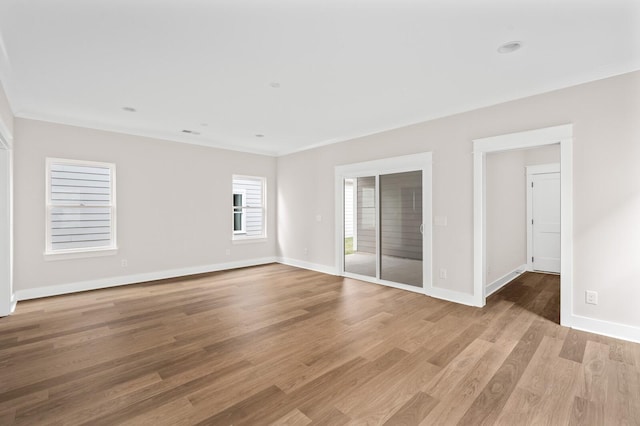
x=422, y=228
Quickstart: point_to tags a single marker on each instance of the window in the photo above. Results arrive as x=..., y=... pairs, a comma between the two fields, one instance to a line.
x=249, y=210
x=80, y=206
x=239, y=218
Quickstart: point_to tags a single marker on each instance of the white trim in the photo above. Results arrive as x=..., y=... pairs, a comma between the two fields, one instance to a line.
x=479, y=229
x=606, y=328
x=566, y=233
x=374, y=280
x=421, y=161
x=85, y=251
x=162, y=136
x=243, y=218
x=505, y=279
x=542, y=169
x=522, y=140
x=79, y=254
x=6, y=138
x=7, y=296
x=240, y=236
x=530, y=171
x=14, y=302
x=55, y=290
x=308, y=265
x=529, y=139
x=453, y=296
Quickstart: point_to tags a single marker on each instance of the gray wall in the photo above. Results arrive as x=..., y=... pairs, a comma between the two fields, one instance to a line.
x=606, y=176
x=173, y=203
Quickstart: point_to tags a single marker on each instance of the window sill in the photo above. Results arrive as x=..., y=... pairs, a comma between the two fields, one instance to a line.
x=248, y=240
x=80, y=254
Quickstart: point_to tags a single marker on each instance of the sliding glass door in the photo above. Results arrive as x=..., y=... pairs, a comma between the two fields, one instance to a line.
x=401, y=228
x=360, y=237
x=383, y=225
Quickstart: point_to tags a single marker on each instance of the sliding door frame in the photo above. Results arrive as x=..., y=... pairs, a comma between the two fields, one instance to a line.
x=406, y=163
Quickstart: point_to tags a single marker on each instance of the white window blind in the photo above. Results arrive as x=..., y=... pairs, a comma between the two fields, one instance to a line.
x=248, y=204
x=80, y=206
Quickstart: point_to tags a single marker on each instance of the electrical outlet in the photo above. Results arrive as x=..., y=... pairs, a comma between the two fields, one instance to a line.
x=124, y=263
x=591, y=297
x=443, y=273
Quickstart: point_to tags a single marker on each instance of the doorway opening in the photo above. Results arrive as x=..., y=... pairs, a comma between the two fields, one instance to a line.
x=516, y=141
x=383, y=216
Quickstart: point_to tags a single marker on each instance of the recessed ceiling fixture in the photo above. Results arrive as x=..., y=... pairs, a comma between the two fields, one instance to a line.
x=259, y=135
x=275, y=85
x=509, y=47
x=129, y=109
x=191, y=132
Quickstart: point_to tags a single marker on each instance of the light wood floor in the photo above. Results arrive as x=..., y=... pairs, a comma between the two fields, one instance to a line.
x=275, y=344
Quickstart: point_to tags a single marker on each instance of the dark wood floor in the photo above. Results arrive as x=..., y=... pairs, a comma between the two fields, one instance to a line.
x=279, y=345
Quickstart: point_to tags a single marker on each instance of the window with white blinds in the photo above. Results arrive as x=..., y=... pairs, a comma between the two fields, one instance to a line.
x=80, y=206
x=248, y=207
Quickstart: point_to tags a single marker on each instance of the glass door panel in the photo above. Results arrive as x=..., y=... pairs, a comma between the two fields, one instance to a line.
x=401, y=228
x=360, y=248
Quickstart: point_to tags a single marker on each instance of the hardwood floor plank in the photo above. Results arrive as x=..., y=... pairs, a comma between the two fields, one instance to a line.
x=574, y=345
x=413, y=411
x=275, y=344
x=493, y=397
x=292, y=418
x=593, y=379
x=457, y=400
x=586, y=413
x=238, y=413
x=332, y=417
x=533, y=401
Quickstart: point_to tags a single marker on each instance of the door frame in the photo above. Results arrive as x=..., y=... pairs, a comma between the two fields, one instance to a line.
x=405, y=163
x=563, y=135
x=540, y=169
x=7, y=298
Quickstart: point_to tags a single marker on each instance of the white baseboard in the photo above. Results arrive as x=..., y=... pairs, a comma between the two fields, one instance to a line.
x=606, y=328
x=7, y=309
x=453, y=296
x=55, y=290
x=505, y=279
x=331, y=270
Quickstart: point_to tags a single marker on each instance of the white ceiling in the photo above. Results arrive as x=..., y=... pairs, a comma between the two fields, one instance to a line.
x=346, y=68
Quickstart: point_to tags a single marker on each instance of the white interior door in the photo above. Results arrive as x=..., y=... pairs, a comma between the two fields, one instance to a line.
x=545, y=200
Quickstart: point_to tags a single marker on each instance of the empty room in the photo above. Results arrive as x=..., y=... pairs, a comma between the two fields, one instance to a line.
x=329, y=212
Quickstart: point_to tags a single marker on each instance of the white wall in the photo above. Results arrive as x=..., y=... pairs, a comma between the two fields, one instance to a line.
x=506, y=194
x=606, y=188
x=173, y=205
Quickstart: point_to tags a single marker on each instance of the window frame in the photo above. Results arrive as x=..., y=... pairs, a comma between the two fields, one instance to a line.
x=237, y=236
x=79, y=252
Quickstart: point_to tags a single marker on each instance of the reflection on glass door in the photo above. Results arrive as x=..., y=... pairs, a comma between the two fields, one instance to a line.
x=401, y=228
x=360, y=226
